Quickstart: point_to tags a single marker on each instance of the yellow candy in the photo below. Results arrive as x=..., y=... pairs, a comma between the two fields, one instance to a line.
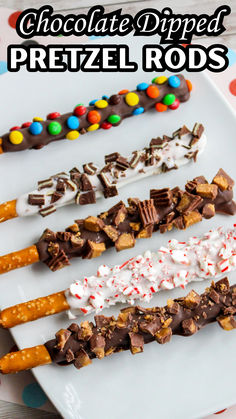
x=37, y=119
x=101, y=104
x=16, y=137
x=161, y=79
x=132, y=99
x=72, y=135
x=93, y=127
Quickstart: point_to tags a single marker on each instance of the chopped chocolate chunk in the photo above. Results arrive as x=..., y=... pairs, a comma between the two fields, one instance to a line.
x=69, y=356
x=93, y=224
x=192, y=155
x=34, y=199
x=222, y=286
x=172, y=307
x=179, y=223
x=104, y=180
x=188, y=203
x=125, y=241
x=85, y=331
x=136, y=343
x=90, y=168
x=181, y=132
x=189, y=327
x=122, y=163
x=207, y=190
x=164, y=335
x=47, y=211
x=47, y=183
x=198, y=130
x=74, y=228
x=135, y=226
x=110, y=191
x=61, y=186
x=157, y=142
x=49, y=236
x=149, y=157
x=58, y=262
x=94, y=249
x=77, y=241
x=85, y=183
x=136, y=158
x=214, y=296
x=191, y=186
x=102, y=321
x=161, y=197
x=151, y=327
x=55, y=197
x=62, y=337
x=74, y=327
x=119, y=210
x=97, y=345
x=147, y=212
x=83, y=131
x=63, y=236
x=70, y=185
x=208, y=211
x=223, y=181
x=87, y=198
x=82, y=359
x=109, y=158
x=111, y=232
x=146, y=232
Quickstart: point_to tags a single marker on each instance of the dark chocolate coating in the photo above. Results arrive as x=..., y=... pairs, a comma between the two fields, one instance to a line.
x=223, y=203
x=121, y=109
x=218, y=300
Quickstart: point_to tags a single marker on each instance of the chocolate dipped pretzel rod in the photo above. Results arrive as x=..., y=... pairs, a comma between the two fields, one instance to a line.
x=137, y=279
x=161, y=94
x=134, y=327
x=161, y=155
x=120, y=226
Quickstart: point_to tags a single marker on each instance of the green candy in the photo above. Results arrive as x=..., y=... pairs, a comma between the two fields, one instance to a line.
x=54, y=128
x=113, y=119
x=153, y=80
x=169, y=99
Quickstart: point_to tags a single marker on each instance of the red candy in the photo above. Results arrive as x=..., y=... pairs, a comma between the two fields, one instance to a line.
x=174, y=105
x=106, y=125
x=14, y=128
x=53, y=115
x=94, y=117
x=26, y=124
x=79, y=110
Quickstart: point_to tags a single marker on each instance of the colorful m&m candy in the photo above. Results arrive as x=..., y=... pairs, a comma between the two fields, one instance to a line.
x=72, y=122
x=16, y=137
x=36, y=128
x=54, y=128
x=174, y=81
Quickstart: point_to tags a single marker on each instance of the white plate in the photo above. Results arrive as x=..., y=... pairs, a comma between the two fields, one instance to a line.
x=184, y=379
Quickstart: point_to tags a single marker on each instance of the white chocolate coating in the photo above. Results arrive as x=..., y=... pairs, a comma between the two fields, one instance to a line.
x=139, y=278
x=173, y=154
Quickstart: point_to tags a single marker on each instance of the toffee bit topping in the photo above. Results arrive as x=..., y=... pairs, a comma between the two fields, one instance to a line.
x=189, y=327
x=223, y=181
x=136, y=343
x=34, y=199
x=62, y=337
x=188, y=203
x=207, y=190
x=94, y=249
x=58, y=262
x=125, y=241
x=111, y=232
x=208, y=211
x=93, y=224
x=82, y=359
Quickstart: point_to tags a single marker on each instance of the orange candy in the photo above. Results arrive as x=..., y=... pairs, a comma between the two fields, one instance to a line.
x=160, y=107
x=94, y=117
x=123, y=92
x=152, y=91
x=189, y=84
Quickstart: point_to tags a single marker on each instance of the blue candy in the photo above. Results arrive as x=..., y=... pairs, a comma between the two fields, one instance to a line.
x=72, y=122
x=36, y=128
x=142, y=86
x=138, y=111
x=174, y=81
x=105, y=97
x=92, y=102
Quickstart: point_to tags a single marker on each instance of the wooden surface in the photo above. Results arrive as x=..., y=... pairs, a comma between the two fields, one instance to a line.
x=11, y=410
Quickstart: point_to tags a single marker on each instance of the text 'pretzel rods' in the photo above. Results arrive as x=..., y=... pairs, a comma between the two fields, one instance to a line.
x=137, y=279
x=81, y=188
x=120, y=226
x=79, y=344
x=161, y=94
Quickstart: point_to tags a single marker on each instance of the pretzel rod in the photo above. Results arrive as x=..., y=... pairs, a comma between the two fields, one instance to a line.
x=134, y=327
x=137, y=279
x=33, y=310
x=163, y=93
x=19, y=259
x=64, y=188
x=120, y=226
x=24, y=360
x=8, y=211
